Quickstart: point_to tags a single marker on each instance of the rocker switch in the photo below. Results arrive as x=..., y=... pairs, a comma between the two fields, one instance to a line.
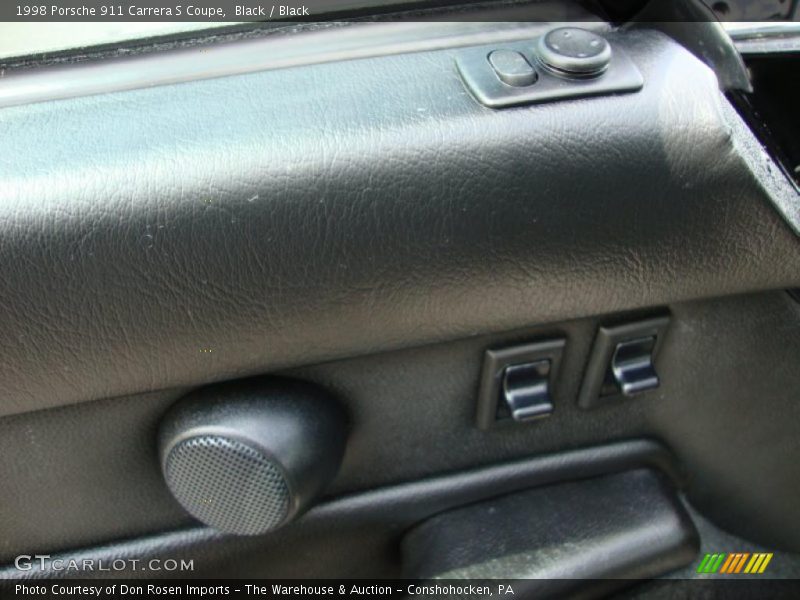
x=632, y=366
x=526, y=390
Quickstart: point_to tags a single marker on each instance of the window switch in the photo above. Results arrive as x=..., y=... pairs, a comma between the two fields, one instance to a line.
x=622, y=362
x=526, y=390
x=632, y=366
x=518, y=383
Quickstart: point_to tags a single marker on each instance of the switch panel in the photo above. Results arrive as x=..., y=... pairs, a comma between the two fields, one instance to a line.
x=567, y=62
x=622, y=362
x=517, y=383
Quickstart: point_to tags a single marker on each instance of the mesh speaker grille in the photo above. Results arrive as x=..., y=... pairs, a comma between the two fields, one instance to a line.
x=227, y=484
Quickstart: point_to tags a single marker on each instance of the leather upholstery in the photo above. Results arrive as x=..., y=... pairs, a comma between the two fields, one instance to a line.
x=203, y=231
x=156, y=240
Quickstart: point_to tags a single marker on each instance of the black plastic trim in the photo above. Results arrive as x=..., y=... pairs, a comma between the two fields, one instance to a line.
x=564, y=540
x=386, y=513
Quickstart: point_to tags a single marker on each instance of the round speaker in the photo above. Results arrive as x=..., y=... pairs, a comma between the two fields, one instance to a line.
x=248, y=458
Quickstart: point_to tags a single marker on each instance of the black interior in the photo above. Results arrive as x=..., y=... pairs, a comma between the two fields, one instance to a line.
x=365, y=225
x=771, y=107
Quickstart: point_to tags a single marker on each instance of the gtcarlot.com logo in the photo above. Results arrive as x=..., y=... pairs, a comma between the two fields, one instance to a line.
x=44, y=562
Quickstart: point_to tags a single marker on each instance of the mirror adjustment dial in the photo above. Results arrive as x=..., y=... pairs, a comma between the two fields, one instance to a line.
x=574, y=52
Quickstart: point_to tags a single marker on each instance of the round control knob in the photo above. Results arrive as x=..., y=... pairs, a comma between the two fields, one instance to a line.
x=247, y=458
x=574, y=52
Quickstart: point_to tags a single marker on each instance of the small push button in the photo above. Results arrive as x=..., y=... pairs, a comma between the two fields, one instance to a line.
x=512, y=68
x=575, y=52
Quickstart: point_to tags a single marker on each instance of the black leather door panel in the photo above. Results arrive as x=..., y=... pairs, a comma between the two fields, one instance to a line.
x=183, y=234
x=727, y=408
x=368, y=226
